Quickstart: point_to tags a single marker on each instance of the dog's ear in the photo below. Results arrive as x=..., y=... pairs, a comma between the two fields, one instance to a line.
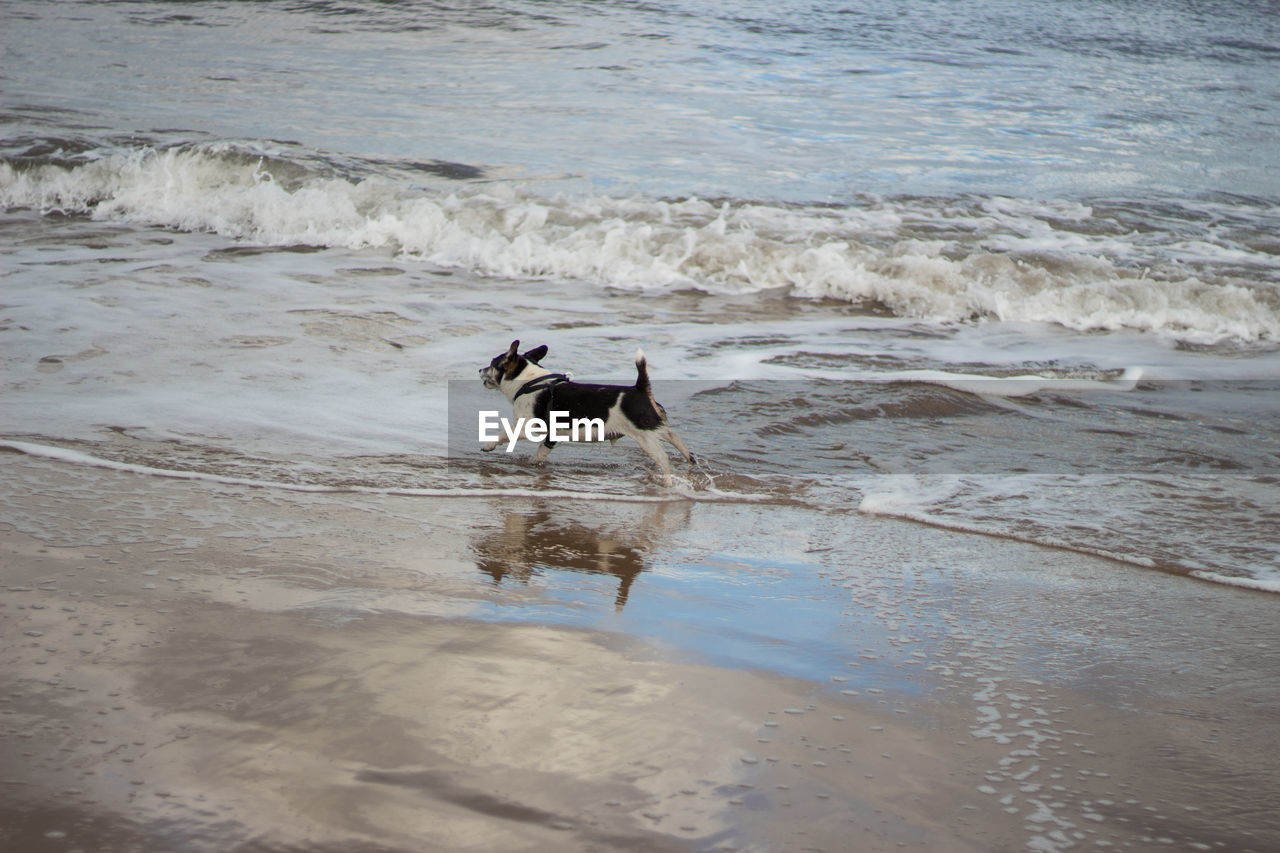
x=511, y=364
x=536, y=354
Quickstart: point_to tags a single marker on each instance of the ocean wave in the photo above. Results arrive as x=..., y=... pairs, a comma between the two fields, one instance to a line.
x=941, y=260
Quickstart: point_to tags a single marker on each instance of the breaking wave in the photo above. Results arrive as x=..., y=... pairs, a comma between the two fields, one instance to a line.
x=1202, y=274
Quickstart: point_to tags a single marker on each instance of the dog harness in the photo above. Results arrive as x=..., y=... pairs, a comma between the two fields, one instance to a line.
x=551, y=380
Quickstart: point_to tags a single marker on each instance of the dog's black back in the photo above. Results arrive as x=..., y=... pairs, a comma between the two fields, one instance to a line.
x=587, y=400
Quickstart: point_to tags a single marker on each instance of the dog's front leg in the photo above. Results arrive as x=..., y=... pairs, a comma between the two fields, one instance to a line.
x=544, y=450
x=490, y=446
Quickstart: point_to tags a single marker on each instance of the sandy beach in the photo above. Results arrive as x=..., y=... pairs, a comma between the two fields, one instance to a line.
x=196, y=666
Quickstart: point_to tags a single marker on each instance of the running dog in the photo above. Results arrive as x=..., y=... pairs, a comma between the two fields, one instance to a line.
x=536, y=393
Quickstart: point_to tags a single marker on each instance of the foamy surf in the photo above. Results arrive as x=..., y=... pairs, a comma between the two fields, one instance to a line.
x=1014, y=386
x=938, y=260
x=1256, y=584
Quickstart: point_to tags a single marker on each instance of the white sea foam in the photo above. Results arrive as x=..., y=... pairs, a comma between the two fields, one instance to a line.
x=1000, y=259
x=1267, y=584
x=1012, y=386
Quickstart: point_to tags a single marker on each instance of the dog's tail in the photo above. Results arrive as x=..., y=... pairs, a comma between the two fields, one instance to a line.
x=642, y=372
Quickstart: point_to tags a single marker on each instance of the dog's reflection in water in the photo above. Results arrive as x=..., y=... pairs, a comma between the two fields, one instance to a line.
x=533, y=542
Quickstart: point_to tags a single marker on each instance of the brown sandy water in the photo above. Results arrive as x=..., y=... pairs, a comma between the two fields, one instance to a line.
x=195, y=666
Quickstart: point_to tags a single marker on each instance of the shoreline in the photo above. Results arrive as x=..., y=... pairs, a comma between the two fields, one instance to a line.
x=195, y=665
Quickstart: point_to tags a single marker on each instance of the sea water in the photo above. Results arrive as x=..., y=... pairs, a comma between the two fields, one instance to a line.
x=1006, y=268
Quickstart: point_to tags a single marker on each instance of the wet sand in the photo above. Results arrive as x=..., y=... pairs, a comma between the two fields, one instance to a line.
x=193, y=666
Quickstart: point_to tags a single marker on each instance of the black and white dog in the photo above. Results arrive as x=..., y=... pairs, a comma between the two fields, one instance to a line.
x=536, y=393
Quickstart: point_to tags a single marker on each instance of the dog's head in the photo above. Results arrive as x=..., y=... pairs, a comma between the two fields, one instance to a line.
x=508, y=365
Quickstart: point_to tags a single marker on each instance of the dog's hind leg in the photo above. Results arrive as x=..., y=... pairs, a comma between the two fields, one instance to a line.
x=652, y=446
x=670, y=435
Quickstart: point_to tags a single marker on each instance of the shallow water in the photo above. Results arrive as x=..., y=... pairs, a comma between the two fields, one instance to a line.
x=1000, y=269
